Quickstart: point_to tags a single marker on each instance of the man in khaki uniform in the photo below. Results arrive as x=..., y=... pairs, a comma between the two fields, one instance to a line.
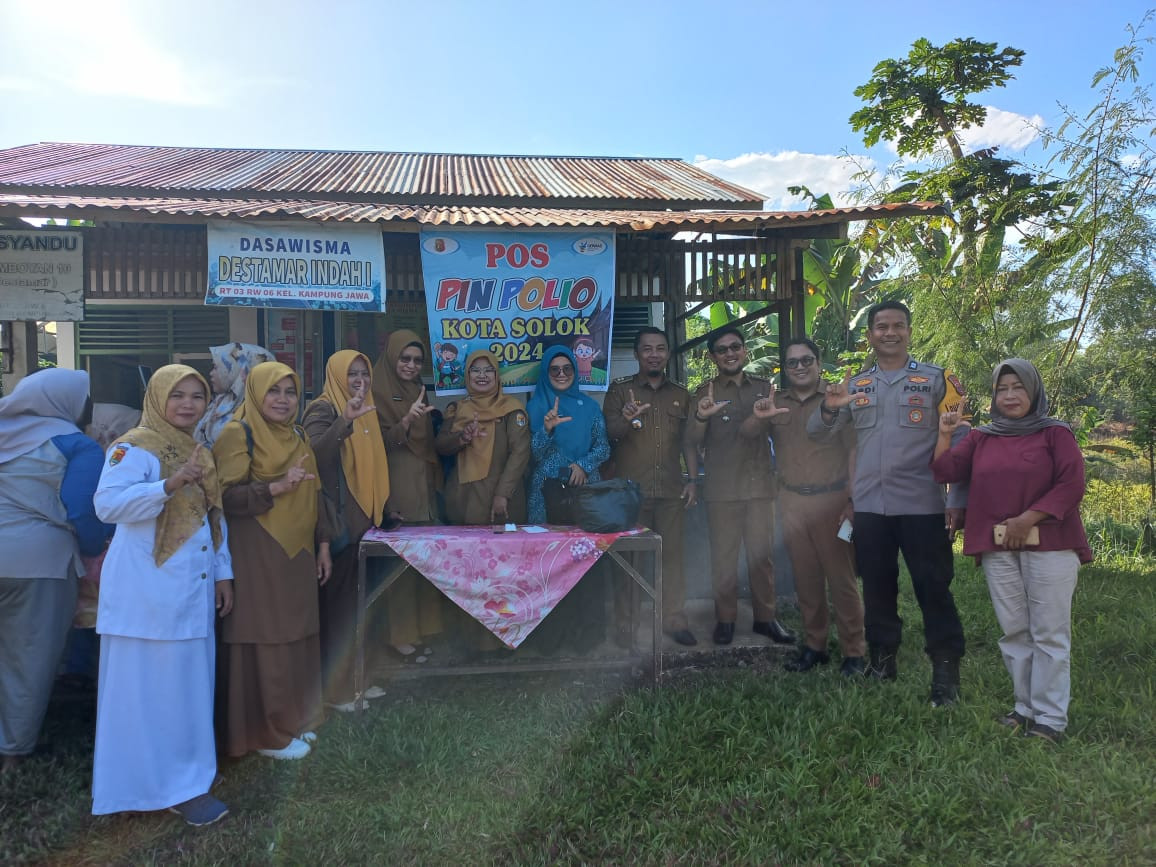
x=646, y=420
x=740, y=486
x=814, y=498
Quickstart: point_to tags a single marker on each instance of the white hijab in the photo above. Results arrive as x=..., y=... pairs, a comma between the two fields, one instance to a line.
x=43, y=405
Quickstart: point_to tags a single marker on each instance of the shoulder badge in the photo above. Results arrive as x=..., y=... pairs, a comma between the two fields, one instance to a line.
x=520, y=418
x=118, y=453
x=624, y=379
x=954, y=380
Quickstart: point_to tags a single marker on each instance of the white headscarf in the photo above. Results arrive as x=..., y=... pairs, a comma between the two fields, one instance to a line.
x=232, y=362
x=43, y=405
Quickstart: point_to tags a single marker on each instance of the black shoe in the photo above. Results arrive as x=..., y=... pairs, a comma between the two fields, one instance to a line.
x=806, y=660
x=883, y=665
x=944, y=681
x=853, y=666
x=1049, y=734
x=724, y=633
x=1014, y=720
x=684, y=637
x=774, y=631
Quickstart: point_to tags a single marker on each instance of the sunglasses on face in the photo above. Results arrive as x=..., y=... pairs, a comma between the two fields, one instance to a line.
x=728, y=349
x=805, y=361
x=565, y=370
x=411, y=359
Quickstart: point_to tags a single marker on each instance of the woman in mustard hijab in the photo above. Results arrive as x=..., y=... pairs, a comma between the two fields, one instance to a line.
x=489, y=433
x=272, y=644
x=166, y=577
x=406, y=417
x=343, y=430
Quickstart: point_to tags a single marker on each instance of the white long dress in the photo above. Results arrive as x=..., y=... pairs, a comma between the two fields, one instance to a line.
x=154, y=721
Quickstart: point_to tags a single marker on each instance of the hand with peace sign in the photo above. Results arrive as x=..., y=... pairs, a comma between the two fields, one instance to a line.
x=838, y=395
x=632, y=409
x=292, y=479
x=551, y=420
x=765, y=408
x=356, y=406
x=189, y=473
x=708, y=406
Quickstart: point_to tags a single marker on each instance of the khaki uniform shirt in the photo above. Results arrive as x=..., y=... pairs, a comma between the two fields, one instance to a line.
x=650, y=456
x=800, y=460
x=737, y=455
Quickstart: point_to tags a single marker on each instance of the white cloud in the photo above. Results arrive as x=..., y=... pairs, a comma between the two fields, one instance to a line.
x=1003, y=129
x=772, y=174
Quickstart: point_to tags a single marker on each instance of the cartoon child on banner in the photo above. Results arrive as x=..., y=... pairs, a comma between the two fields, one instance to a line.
x=584, y=354
x=450, y=373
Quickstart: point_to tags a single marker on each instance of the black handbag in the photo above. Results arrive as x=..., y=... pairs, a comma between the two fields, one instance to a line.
x=599, y=507
x=335, y=517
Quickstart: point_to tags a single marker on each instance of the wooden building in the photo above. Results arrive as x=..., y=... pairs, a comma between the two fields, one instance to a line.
x=683, y=238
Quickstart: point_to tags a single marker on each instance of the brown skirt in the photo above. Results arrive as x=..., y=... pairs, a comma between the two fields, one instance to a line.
x=273, y=694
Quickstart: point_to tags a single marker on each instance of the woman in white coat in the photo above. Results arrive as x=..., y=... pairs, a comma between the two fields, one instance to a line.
x=167, y=573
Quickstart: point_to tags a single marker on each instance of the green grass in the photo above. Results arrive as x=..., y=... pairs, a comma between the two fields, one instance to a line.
x=736, y=765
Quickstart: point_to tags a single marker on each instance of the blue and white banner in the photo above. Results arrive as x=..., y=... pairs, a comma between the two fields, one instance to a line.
x=517, y=294
x=301, y=265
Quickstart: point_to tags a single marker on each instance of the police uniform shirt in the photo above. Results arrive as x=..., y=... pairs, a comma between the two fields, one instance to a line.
x=652, y=456
x=896, y=419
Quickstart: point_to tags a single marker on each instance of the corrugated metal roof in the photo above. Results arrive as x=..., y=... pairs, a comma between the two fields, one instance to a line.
x=419, y=178
x=640, y=221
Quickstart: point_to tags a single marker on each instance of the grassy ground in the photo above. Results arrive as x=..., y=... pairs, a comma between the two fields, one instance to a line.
x=742, y=764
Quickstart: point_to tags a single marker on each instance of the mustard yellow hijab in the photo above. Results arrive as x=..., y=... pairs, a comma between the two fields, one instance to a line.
x=363, y=457
x=276, y=448
x=185, y=511
x=489, y=406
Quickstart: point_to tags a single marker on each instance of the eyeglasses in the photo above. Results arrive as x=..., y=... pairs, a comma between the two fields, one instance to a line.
x=411, y=359
x=805, y=361
x=482, y=371
x=565, y=370
x=728, y=349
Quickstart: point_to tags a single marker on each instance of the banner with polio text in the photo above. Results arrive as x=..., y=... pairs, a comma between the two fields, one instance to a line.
x=517, y=294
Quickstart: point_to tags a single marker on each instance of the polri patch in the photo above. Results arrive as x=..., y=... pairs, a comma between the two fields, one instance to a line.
x=915, y=416
x=862, y=401
x=118, y=453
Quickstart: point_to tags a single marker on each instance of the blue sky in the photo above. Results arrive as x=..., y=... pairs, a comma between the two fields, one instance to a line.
x=759, y=92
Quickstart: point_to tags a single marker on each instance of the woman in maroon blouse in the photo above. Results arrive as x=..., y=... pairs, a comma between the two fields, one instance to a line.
x=1023, y=524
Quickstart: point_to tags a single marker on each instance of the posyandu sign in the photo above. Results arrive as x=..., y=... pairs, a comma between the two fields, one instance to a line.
x=307, y=265
x=516, y=294
x=41, y=275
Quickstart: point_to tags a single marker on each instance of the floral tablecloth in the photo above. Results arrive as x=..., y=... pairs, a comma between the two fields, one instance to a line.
x=508, y=582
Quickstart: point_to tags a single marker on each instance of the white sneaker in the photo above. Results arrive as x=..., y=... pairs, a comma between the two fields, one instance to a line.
x=373, y=692
x=296, y=749
x=309, y=737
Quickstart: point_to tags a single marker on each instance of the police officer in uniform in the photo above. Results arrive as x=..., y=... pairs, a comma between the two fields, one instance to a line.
x=645, y=420
x=898, y=507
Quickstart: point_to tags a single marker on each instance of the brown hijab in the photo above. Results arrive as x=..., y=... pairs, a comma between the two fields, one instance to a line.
x=276, y=447
x=393, y=396
x=489, y=406
x=186, y=509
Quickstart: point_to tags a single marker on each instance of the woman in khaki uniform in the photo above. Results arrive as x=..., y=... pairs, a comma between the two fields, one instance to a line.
x=490, y=434
x=354, y=470
x=414, y=605
x=271, y=639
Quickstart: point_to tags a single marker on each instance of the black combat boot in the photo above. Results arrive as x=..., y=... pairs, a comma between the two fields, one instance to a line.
x=883, y=665
x=944, y=680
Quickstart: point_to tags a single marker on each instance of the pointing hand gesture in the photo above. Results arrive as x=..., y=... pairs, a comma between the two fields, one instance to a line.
x=356, y=406
x=632, y=409
x=552, y=419
x=189, y=473
x=708, y=406
x=765, y=406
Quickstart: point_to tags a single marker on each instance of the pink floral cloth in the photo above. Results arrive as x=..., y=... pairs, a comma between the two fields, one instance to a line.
x=508, y=582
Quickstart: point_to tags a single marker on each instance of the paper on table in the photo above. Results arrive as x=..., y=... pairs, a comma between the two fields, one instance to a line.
x=533, y=528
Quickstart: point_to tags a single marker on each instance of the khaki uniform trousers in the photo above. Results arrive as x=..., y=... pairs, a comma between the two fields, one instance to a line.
x=822, y=561
x=751, y=523
x=665, y=516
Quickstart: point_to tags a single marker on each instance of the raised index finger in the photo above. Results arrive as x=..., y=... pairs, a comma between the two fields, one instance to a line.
x=556, y=399
x=421, y=397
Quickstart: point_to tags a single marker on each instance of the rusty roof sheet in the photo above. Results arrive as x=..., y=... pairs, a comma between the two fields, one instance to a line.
x=54, y=167
x=98, y=207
